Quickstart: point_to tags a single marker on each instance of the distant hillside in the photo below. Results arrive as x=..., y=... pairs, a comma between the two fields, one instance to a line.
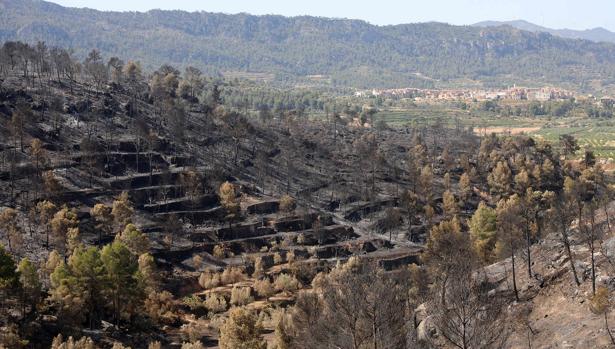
x=351, y=52
x=595, y=34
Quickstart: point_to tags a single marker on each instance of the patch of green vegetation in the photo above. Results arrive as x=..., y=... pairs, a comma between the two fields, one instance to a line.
x=596, y=134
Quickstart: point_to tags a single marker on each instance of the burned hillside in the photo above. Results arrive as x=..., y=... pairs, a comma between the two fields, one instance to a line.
x=142, y=208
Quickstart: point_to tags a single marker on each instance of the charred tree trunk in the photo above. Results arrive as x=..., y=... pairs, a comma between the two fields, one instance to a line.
x=514, y=271
x=606, y=325
x=528, y=244
x=566, y=241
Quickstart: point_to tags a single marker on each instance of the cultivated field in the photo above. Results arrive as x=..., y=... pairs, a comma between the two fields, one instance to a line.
x=596, y=134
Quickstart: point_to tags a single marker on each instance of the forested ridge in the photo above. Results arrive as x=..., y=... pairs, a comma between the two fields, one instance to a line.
x=354, y=53
x=598, y=34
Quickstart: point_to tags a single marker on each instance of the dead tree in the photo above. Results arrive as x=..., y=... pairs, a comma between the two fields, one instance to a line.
x=470, y=318
x=563, y=215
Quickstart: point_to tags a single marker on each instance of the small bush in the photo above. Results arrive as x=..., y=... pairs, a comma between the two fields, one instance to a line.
x=285, y=282
x=154, y=345
x=160, y=307
x=219, y=252
x=209, y=279
x=193, y=345
x=287, y=204
x=232, y=275
x=263, y=287
x=241, y=296
x=277, y=258
x=194, y=331
x=303, y=271
x=215, y=303
x=259, y=269
x=197, y=261
x=193, y=302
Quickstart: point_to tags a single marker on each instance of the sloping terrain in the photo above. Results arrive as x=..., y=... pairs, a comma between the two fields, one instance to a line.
x=552, y=312
x=229, y=202
x=97, y=145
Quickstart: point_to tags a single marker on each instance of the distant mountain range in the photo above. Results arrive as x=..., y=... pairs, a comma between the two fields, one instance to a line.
x=343, y=52
x=596, y=34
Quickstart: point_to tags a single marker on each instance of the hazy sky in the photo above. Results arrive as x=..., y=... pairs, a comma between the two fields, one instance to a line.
x=573, y=14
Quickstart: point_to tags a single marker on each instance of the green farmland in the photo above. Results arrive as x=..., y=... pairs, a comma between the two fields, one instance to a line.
x=596, y=134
